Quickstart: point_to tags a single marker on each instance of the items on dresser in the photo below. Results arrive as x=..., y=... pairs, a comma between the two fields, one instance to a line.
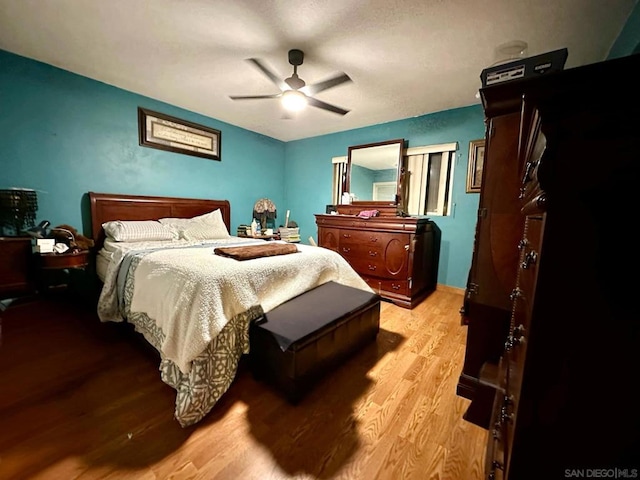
x=526, y=67
x=569, y=328
x=43, y=245
x=291, y=235
x=395, y=255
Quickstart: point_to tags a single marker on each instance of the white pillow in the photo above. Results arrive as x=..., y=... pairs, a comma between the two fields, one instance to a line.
x=209, y=226
x=212, y=218
x=203, y=231
x=137, y=231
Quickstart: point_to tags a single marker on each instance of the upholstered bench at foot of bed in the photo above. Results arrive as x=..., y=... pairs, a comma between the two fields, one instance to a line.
x=303, y=339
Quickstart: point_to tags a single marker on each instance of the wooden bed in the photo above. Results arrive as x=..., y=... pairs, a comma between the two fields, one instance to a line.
x=193, y=306
x=106, y=207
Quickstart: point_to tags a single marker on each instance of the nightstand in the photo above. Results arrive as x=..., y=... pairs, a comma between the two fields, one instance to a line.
x=16, y=267
x=55, y=270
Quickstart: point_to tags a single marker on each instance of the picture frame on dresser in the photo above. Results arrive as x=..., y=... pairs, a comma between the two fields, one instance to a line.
x=164, y=132
x=476, y=164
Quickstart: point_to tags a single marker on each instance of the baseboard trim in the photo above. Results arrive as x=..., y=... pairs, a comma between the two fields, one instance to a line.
x=447, y=288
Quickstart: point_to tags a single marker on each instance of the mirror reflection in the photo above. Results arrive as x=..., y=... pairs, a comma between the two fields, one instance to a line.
x=374, y=171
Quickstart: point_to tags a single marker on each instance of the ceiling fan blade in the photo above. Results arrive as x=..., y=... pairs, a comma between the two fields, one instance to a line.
x=277, y=81
x=324, y=85
x=253, y=97
x=326, y=106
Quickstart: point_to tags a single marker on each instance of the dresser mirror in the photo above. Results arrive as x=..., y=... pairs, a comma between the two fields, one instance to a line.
x=374, y=172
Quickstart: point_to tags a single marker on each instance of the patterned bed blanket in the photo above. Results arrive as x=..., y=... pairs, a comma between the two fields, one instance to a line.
x=195, y=307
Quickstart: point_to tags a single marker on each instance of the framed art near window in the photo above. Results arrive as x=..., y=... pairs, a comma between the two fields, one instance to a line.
x=476, y=163
x=164, y=132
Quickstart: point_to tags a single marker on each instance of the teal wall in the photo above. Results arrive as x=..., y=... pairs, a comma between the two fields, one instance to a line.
x=628, y=42
x=361, y=182
x=388, y=175
x=65, y=135
x=310, y=172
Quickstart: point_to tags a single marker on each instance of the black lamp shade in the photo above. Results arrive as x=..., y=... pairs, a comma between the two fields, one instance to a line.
x=18, y=207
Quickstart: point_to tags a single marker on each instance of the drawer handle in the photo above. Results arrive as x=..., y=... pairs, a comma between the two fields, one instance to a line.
x=346, y=235
x=506, y=416
x=346, y=249
x=529, y=259
x=372, y=267
x=515, y=293
x=373, y=239
x=513, y=342
x=373, y=254
x=395, y=286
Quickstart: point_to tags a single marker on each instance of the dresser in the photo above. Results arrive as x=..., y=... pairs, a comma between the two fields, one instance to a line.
x=563, y=404
x=395, y=255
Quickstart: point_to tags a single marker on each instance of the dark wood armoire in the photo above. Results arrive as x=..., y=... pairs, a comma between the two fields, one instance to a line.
x=553, y=344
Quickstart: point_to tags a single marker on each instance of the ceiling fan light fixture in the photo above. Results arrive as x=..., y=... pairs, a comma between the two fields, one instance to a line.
x=294, y=93
x=294, y=100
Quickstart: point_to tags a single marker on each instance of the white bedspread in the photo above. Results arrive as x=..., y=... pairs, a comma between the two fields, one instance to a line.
x=191, y=293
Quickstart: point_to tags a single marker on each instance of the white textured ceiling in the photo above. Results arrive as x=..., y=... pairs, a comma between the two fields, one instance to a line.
x=406, y=57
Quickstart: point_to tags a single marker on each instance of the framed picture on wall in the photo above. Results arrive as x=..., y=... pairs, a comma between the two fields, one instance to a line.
x=172, y=134
x=476, y=163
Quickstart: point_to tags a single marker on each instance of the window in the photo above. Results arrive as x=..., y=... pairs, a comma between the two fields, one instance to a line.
x=384, y=191
x=339, y=173
x=429, y=179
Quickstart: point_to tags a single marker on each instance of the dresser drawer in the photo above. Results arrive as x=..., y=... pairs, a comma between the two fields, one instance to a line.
x=361, y=250
x=384, y=255
x=531, y=246
x=373, y=238
x=495, y=455
x=399, y=287
x=523, y=300
x=389, y=267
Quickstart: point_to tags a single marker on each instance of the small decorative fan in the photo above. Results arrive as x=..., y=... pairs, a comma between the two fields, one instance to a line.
x=264, y=209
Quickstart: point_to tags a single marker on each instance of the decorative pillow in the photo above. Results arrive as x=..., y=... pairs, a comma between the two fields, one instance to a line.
x=212, y=218
x=137, y=231
x=203, y=231
x=175, y=223
x=209, y=226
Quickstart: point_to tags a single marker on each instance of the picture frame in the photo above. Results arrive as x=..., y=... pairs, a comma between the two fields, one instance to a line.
x=476, y=165
x=164, y=132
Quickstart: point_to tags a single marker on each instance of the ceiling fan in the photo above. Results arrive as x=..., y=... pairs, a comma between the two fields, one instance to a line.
x=294, y=92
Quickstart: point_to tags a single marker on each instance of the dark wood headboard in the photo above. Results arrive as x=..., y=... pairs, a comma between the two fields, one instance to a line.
x=106, y=207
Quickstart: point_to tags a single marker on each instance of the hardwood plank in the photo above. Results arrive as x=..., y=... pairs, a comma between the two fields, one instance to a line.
x=82, y=399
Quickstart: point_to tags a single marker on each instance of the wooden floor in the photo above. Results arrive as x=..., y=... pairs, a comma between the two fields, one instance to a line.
x=82, y=399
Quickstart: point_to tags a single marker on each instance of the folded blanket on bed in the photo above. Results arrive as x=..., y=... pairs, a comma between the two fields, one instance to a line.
x=249, y=252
